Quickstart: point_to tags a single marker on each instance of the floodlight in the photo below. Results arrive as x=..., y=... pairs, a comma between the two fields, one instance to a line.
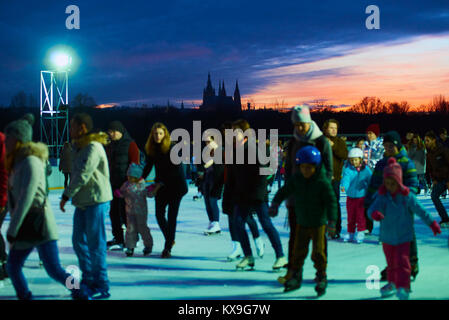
x=61, y=60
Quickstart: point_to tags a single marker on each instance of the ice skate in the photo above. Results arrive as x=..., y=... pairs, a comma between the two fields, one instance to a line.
x=294, y=282
x=360, y=237
x=236, y=251
x=403, y=294
x=147, y=251
x=129, y=252
x=246, y=263
x=260, y=247
x=349, y=237
x=214, y=228
x=388, y=290
x=321, y=285
x=280, y=263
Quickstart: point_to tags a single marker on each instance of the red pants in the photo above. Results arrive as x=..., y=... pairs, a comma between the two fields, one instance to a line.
x=356, y=214
x=398, y=264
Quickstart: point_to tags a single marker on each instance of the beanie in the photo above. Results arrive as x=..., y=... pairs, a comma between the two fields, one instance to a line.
x=394, y=170
x=301, y=113
x=135, y=170
x=116, y=126
x=374, y=128
x=394, y=138
x=21, y=129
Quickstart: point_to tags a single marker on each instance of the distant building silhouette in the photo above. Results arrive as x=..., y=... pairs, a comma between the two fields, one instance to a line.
x=220, y=102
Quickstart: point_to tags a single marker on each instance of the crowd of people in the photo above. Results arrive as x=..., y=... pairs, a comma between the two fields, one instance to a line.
x=106, y=172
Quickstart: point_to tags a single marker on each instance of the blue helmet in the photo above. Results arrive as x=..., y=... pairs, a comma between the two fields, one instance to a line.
x=308, y=154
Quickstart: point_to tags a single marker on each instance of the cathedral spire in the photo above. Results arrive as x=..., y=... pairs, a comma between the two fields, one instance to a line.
x=237, y=99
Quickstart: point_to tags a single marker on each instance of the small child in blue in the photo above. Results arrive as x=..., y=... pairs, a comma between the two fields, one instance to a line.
x=392, y=207
x=355, y=181
x=135, y=194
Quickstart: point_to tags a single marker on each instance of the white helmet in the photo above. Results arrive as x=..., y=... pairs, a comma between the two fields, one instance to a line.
x=355, y=153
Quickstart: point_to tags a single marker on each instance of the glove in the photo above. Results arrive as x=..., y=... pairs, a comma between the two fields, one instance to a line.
x=150, y=190
x=117, y=193
x=273, y=210
x=377, y=215
x=331, y=229
x=435, y=228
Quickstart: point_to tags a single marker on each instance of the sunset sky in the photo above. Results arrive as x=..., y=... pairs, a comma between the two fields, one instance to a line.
x=129, y=52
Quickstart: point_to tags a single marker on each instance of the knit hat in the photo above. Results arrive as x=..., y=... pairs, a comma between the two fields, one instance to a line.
x=135, y=170
x=301, y=113
x=394, y=170
x=21, y=129
x=394, y=138
x=374, y=128
x=116, y=126
x=355, y=153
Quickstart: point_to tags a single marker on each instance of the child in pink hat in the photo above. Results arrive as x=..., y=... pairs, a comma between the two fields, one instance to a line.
x=392, y=208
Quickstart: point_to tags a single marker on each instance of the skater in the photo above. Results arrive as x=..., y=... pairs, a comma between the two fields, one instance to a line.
x=416, y=150
x=32, y=222
x=438, y=167
x=228, y=209
x=443, y=139
x=306, y=132
x=248, y=190
x=91, y=192
x=212, y=189
x=355, y=181
x=394, y=148
x=374, y=146
x=121, y=152
x=170, y=184
x=392, y=208
x=339, y=155
x=315, y=208
x=134, y=192
x=65, y=162
x=3, y=200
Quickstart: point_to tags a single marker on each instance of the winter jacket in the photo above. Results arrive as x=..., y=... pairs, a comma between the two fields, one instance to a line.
x=27, y=189
x=419, y=158
x=121, y=154
x=356, y=181
x=244, y=183
x=374, y=151
x=213, y=181
x=397, y=226
x=315, y=201
x=65, y=163
x=438, y=163
x=135, y=195
x=339, y=155
x=315, y=138
x=3, y=173
x=170, y=175
x=89, y=184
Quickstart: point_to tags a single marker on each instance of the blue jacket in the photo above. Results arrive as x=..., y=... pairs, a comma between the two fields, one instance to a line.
x=397, y=226
x=355, y=182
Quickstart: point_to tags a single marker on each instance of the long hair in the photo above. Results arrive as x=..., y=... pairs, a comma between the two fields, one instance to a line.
x=150, y=146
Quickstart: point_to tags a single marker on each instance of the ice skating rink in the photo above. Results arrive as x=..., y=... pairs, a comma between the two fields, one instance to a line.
x=198, y=269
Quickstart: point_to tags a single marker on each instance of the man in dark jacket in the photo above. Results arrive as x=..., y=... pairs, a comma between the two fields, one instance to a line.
x=339, y=155
x=122, y=151
x=438, y=167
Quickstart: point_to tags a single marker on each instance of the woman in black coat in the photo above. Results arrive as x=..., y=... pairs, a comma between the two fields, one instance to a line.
x=170, y=183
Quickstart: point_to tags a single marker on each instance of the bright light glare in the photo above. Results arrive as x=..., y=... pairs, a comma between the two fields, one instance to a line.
x=61, y=60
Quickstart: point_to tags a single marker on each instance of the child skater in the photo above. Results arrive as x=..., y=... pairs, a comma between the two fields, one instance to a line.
x=355, y=181
x=135, y=194
x=392, y=208
x=315, y=206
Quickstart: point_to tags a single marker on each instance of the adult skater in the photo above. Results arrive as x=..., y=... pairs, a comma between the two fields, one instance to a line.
x=32, y=222
x=121, y=152
x=65, y=162
x=339, y=155
x=416, y=150
x=306, y=132
x=170, y=184
x=3, y=199
x=394, y=148
x=249, y=193
x=374, y=146
x=91, y=193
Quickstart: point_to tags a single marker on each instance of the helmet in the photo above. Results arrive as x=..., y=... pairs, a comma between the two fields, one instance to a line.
x=355, y=153
x=308, y=154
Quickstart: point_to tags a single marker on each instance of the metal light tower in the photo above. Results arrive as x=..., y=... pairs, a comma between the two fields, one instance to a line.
x=54, y=101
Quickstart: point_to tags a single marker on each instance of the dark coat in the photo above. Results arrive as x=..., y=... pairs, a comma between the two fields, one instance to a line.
x=118, y=158
x=340, y=154
x=213, y=181
x=438, y=163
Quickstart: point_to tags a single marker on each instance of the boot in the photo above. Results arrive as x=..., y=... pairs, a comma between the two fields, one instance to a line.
x=280, y=263
x=294, y=282
x=349, y=237
x=246, y=263
x=360, y=237
x=236, y=251
x=388, y=290
x=321, y=284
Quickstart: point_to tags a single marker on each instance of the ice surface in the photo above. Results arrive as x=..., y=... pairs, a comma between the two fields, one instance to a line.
x=199, y=270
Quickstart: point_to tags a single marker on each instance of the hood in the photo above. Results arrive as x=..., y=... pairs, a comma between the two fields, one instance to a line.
x=100, y=137
x=37, y=149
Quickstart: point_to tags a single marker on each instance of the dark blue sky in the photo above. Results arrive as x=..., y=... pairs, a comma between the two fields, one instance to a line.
x=152, y=51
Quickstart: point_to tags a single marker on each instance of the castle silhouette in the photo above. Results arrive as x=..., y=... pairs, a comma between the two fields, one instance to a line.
x=220, y=102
